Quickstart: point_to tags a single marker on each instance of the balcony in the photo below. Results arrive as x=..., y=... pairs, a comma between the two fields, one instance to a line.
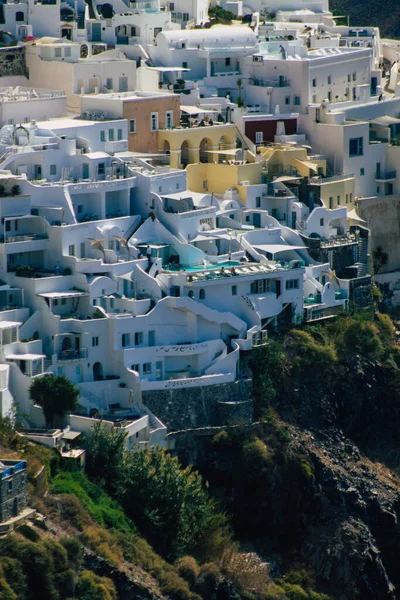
x=275, y=83
x=385, y=175
x=72, y=354
x=330, y=179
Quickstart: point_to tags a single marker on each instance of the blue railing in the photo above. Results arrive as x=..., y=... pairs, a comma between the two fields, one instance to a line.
x=13, y=469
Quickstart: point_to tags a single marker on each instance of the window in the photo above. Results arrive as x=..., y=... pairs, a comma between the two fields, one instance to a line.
x=321, y=222
x=71, y=250
x=19, y=16
x=57, y=53
x=138, y=338
x=67, y=52
x=338, y=200
x=347, y=198
x=260, y=286
x=177, y=186
x=349, y=78
x=160, y=189
x=10, y=485
x=202, y=294
x=95, y=341
x=234, y=290
x=351, y=197
x=125, y=340
x=191, y=294
x=8, y=225
x=55, y=302
x=205, y=185
x=287, y=100
x=314, y=82
x=132, y=125
x=258, y=202
x=109, y=83
x=146, y=368
x=154, y=121
x=169, y=119
x=354, y=76
x=259, y=137
x=120, y=134
x=297, y=100
x=111, y=135
x=172, y=6
x=184, y=65
x=53, y=169
x=330, y=96
x=185, y=17
x=292, y=284
x=101, y=168
x=362, y=171
x=329, y=79
x=102, y=136
x=63, y=301
x=123, y=84
x=356, y=147
x=135, y=368
x=228, y=62
x=331, y=202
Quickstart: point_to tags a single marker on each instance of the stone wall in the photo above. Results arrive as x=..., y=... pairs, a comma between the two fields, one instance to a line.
x=202, y=406
x=12, y=61
x=12, y=495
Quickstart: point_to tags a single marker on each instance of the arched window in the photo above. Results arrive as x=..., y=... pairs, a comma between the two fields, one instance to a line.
x=19, y=16
x=202, y=294
x=191, y=294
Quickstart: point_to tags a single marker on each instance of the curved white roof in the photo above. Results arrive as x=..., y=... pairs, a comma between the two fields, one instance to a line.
x=215, y=36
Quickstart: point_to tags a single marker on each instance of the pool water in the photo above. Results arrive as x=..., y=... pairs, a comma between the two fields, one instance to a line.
x=192, y=269
x=227, y=264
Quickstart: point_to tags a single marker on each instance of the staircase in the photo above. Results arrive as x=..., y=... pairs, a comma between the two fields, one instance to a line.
x=363, y=258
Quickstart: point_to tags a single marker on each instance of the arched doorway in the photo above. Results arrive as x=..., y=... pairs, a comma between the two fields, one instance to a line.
x=205, y=145
x=98, y=371
x=167, y=148
x=184, y=154
x=66, y=344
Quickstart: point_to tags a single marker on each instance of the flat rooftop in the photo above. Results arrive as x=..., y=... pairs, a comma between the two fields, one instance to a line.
x=23, y=94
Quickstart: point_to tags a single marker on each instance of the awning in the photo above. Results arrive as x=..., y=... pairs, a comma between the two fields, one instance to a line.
x=9, y=324
x=308, y=164
x=385, y=120
x=197, y=110
x=286, y=178
x=168, y=69
x=354, y=217
x=71, y=435
x=277, y=248
x=67, y=294
x=25, y=356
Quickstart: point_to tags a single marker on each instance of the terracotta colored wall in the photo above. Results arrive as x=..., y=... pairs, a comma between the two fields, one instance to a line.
x=145, y=140
x=269, y=128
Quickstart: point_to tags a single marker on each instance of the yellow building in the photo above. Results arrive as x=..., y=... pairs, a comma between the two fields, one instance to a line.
x=217, y=178
x=333, y=191
x=196, y=144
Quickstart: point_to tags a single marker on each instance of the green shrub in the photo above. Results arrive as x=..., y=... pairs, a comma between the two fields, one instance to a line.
x=28, y=533
x=188, y=569
x=94, y=587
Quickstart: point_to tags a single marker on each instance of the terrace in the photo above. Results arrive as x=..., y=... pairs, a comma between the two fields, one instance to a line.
x=220, y=272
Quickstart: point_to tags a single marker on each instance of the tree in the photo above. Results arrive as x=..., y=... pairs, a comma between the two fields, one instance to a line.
x=105, y=457
x=56, y=395
x=169, y=503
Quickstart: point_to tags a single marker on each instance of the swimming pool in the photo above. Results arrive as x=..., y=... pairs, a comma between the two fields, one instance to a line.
x=190, y=269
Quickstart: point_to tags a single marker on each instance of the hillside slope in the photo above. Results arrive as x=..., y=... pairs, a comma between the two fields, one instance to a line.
x=384, y=14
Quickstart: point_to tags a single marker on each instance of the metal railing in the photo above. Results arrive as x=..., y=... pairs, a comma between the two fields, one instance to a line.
x=384, y=175
x=72, y=354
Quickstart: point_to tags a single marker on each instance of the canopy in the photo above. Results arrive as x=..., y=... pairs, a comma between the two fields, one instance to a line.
x=25, y=356
x=308, y=164
x=197, y=110
x=385, y=120
x=285, y=178
x=277, y=248
x=354, y=217
x=67, y=294
x=9, y=324
x=168, y=69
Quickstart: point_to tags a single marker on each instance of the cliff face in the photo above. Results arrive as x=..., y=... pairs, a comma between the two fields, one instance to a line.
x=354, y=537
x=384, y=14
